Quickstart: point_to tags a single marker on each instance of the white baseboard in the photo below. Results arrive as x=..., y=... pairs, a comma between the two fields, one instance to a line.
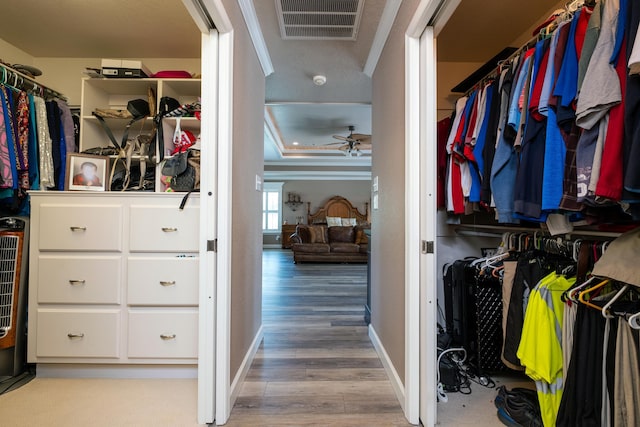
x=236, y=385
x=60, y=370
x=271, y=246
x=396, y=382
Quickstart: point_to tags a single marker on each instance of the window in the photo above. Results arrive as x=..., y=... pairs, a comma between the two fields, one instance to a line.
x=272, y=206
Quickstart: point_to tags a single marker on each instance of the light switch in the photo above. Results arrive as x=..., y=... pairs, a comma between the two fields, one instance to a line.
x=258, y=183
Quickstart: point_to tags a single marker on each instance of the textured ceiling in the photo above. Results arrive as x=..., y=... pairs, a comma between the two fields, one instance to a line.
x=100, y=28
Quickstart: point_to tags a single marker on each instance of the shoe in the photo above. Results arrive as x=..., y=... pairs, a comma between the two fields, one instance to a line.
x=506, y=419
x=523, y=411
x=519, y=406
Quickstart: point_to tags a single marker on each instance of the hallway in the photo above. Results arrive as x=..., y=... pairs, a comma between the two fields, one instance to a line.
x=316, y=366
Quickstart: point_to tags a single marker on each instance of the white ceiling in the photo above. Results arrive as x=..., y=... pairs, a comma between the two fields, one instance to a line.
x=163, y=29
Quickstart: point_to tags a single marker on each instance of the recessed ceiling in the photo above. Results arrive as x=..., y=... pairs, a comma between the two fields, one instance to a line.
x=312, y=127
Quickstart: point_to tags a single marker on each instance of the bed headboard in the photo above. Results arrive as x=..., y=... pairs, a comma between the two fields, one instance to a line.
x=340, y=207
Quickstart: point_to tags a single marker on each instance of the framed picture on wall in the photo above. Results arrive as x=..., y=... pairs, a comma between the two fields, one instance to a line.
x=86, y=172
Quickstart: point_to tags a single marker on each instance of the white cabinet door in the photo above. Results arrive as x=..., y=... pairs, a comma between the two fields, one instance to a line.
x=164, y=228
x=163, y=334
x=79, y=279
x=76, y=227
x=162, y=281
x=78, y=333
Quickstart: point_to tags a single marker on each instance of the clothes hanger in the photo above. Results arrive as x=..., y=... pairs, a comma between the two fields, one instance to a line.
x=634, y=321
x=607, y=306
x=572, y=295
x=583, y=295
x=576, y=249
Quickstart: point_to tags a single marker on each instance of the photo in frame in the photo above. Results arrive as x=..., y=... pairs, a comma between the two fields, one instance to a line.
x=86, y=172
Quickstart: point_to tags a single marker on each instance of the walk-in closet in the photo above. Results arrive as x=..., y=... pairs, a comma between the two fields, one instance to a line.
x=538, y=238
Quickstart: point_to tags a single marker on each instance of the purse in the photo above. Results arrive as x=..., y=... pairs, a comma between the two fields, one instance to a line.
x=182, y=171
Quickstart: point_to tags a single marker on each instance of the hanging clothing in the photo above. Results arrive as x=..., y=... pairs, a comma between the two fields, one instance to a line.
x=626, y=408
x=540, y=350
x=45, y=146
x=581, y=402
x=6, y=177
x=601, y=87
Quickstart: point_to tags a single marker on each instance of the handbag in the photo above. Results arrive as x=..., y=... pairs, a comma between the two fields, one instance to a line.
x=182, y=171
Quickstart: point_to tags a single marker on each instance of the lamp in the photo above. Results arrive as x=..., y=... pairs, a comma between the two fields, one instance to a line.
x=293, y=201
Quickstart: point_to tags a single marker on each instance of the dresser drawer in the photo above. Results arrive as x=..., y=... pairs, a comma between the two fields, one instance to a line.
x=77, y=227
x=163, y=334
x=162, y=281
x=164, y=229
x=78, y=333
x=79, y=279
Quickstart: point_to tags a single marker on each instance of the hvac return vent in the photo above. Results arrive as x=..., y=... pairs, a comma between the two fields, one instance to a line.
x=319, y=19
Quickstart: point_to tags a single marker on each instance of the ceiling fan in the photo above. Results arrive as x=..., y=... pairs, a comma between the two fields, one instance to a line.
x=350, y=144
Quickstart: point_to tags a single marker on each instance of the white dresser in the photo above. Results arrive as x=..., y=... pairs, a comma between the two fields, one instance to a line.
x=113, y=279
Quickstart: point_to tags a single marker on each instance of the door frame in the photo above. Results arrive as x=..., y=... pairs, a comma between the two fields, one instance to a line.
x=421, y=233
x=215, y=214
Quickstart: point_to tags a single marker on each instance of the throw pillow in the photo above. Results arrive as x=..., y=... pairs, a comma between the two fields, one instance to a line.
x=334, y=221
x=317, y=233
x=349, y=221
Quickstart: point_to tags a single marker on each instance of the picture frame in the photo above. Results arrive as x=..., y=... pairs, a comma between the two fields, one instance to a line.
x=86, y=172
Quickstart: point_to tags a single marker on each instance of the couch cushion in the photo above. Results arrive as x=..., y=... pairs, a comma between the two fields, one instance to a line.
x=341, y=235
x=318, y=234
x=311, y=248
x=344, y=248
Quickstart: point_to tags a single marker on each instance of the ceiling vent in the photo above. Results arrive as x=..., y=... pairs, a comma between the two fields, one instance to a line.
x=319, y=19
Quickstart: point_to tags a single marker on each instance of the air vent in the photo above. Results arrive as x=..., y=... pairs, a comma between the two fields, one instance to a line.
x=319, y=19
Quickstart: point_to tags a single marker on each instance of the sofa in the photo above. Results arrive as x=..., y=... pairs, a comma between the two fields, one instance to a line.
x=338, y=244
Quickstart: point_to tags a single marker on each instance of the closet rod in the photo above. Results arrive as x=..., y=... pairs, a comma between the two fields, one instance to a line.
x=506, y=229
x=20, y=79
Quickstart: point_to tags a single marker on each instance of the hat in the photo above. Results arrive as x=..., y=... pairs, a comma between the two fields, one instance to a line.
x=620, y=260
x=138, y=108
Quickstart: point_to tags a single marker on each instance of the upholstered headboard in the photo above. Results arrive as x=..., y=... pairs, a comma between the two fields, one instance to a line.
x=337, y=206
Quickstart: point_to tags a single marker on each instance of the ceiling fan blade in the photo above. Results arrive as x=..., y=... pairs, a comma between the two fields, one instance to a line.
x=334, y=143
x=360, y=137
x=340, y=137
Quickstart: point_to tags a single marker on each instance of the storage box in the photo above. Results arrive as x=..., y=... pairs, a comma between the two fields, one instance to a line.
x=124, y=68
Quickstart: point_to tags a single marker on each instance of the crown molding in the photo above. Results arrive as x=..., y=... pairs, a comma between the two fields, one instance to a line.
x=251, y=19
x=382, y=34
x=317, y=175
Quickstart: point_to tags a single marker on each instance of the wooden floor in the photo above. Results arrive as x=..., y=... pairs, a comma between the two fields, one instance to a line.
x=316, y=366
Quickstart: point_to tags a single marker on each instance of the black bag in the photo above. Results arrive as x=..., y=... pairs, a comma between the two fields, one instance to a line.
x=183, y=171
x=167, y=105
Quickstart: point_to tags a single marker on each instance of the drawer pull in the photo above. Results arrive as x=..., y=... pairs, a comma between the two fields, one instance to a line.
x=78, y=228
x=169, y=229
x=165, y=283
x=77, y=282
x=72, y=336
x=168, y=337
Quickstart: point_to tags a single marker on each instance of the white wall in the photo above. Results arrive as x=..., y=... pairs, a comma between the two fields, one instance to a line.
x=65, y=74
x=12, y=55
